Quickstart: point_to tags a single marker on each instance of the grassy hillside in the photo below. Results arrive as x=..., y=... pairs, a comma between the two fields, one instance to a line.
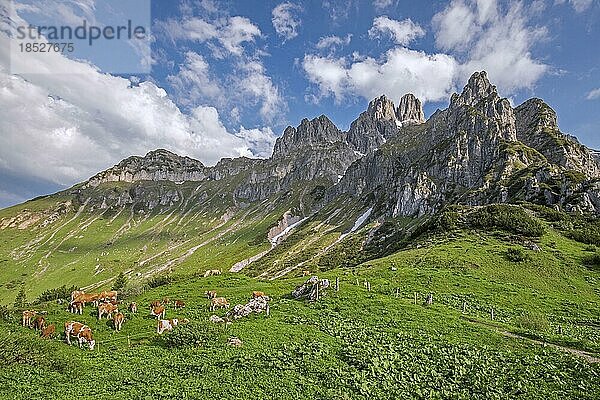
x=541, y=284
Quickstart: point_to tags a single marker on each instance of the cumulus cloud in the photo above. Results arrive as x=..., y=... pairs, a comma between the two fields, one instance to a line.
x=286, y=20
x=195, y=82
x=399, y=71
x=333, y=41
x=488, y=38
x=63, y=128
x=402, y=32
x=229, y=32
x=593, y=94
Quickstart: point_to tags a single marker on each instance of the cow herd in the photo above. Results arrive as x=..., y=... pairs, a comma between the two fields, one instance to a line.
x=107, y=306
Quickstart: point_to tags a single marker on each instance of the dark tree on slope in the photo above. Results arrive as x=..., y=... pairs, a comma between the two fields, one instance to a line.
x=21, y=299
x=120, y=282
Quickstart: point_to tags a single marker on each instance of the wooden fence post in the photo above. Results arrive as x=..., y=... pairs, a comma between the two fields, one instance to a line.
x=492, y=314
x=415, y=293
x=397, y=292
x=337, y=283
x=369, y=286
x=464, y=307
x=128, y=341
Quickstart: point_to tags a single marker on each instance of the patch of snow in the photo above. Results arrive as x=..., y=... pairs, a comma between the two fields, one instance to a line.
x=361, y=220
x=275, y=238
x=180, y=183
x=358, y=153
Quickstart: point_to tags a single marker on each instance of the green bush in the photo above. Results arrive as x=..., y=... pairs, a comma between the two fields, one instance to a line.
x=505, y=217
x=532, y=322
x=592, y=261
x=63, y=292
x=160, y=281
x=516, y=254
x=195, y=334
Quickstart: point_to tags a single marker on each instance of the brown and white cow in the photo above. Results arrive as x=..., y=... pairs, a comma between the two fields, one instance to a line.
x=169, y=324
x=220, y=302
x=257, y=293
x=210, y=294
x=88, y=298
x=39, y=323
x=118, y=320
x=305, y=273
x=178, y=304
x=48, y=331
x=108, y=296
x=76, y=293
x=212, y=272
x=133, y=307
x=158, y=311
x=155, y=303
x=166, y=325
x=106, y=308
x=82, y=332
x=76, y=307
x=27, y=316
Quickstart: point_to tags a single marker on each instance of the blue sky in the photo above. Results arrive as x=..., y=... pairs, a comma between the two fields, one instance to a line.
x=227, y=77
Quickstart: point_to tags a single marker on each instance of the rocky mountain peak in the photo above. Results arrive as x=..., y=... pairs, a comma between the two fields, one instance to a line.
x=535, y=112
x=477, y=88
x=317, y=131
x=382, y=108
x=410, y=110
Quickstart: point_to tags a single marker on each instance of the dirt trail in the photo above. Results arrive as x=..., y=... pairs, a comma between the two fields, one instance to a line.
x=589, y=357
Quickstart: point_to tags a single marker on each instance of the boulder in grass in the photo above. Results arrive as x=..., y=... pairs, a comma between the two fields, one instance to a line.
x=311, y=288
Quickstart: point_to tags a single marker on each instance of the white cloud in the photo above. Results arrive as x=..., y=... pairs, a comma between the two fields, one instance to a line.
x=63, y=128
x=333, y=41
x=402, y=32
x=593, y=94
x=401, y=70
x=286, y=20
x=194, y=82
x=254, y=85
x=487, y=38
x=382, y=4
x=228, y=32
x=578, y=5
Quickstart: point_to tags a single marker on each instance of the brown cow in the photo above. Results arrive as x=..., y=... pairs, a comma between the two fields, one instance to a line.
x=211, y=272
x=256, y=294
x=220, y=302
x=76, y=307
x=106, y=308
x=166, y=325
x=110, y=295
x=39, y=323
x=118, y=321
x=48, y=331
x=88, y=298
x=133, y=307
x=305, y=273
x=76, y=293
x=158, y=312
x=155, y=303
x=82, y=332
x=210, y=294
x=178, y=304
x=27, y=316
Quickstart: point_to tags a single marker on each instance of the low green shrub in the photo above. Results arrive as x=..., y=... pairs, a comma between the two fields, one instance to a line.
x=516, y=254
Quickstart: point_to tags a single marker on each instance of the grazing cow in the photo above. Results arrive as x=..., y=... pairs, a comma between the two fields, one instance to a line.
x=27, y=316
x=178, y=304
x=39, y=323
x=76, y=293
x=305, y=273
x=110, y=295
x=155, y=303
x=48, y=331
x=256, y=294
x=118, y=321
x=106, y=308
x=220, y=302
x=76, y=307
x=82, y=332
x=166, y=325
x=133, y=307
x=210, y=294
x=88, y=298
x=158, y=311
x=211, y=272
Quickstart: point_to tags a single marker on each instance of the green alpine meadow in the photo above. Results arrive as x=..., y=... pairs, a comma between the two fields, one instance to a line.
x=454, y=257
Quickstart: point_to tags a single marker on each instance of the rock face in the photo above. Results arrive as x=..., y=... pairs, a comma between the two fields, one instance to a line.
x=410, y=110
x=479, y=150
